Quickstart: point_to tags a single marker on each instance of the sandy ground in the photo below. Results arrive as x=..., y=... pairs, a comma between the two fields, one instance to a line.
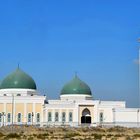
x=67, y=133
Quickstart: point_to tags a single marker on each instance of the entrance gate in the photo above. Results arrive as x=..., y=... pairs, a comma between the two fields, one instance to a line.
x=86, y=117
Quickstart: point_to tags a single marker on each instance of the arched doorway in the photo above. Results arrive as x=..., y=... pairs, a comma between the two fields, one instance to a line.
x=86, y=116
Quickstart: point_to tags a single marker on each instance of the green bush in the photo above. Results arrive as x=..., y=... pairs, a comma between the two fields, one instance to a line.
x=13, y=135
x=137, y=135
x=98, y=129
x=118, y=135
x=1, y=134
x=98, y=136
x=42, y=136
x=117, y=129
x=71, y=134
x=109, y=135
x=114, y=139
x=30, y=138
x=129, y=138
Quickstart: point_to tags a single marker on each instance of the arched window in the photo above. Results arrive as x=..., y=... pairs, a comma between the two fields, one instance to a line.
x=86, y=112
x=38, y=117
x=63, y=116
x=29, y=117
x=49, y=116
x=86, y=116
x=0, y=117
x=56, y=117
x=101, y=117
x=9, y=117
x=19, y=117
x=70, y=117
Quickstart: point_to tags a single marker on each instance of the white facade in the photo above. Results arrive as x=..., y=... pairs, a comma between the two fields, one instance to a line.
x=114, y=112
x=20, y=103
x=101, y=112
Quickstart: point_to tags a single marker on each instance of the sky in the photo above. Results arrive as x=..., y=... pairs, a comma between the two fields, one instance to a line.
x=51, y=39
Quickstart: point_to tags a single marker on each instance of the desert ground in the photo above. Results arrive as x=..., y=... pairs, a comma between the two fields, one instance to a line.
x=68, y=133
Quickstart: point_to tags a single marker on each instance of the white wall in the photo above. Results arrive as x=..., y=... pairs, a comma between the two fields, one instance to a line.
x=127, y=115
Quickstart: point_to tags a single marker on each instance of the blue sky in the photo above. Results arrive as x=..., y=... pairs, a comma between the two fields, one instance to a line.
x=51, y=39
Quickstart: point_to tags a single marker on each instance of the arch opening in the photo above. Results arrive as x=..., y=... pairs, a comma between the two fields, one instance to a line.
x=86, y=117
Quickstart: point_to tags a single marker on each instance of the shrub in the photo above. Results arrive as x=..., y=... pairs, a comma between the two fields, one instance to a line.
x=13, y=135
x=70, y=135
x=137, y=135
x=98, y=136
x=1, y=134
x=128, y=138
x=30, y=138
x=98, y=129
x=114, y=139
x=109, y=135
x=42, y=136
x=118, y=135
x=117, y=129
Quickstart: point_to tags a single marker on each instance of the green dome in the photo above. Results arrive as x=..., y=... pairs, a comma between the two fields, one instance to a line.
x=76, y=86
x=18, y=79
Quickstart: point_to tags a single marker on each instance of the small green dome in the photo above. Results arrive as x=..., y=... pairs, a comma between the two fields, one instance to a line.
x=76, y=86
x=18, y=79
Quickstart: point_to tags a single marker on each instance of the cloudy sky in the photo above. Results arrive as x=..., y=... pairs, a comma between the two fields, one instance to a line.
x=51, y=39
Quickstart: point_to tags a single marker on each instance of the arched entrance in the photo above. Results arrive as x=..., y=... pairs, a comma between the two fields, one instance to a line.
x=86, y=116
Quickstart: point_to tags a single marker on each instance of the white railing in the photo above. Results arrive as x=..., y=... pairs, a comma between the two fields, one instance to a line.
x=75, y=124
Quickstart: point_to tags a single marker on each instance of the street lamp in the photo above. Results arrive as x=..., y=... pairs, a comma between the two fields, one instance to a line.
x=138, y=116
x=32, y=117
x=139, y=72
x=114, y=118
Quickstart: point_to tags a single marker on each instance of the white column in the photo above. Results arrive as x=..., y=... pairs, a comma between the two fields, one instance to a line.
x=5, y=114
x=42, y=115
x=97, y=122
x=96, y=114
x=67, y=115
x=34, y=113
x=46, y=115
x=14, y=111
x=60, y=116
x=77, y=115
x=25, y=113
x=53, y=116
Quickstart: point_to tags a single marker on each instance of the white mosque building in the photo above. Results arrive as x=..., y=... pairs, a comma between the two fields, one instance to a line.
x=20, y=104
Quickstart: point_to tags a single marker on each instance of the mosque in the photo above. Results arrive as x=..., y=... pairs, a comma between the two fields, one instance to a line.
x=21, y=103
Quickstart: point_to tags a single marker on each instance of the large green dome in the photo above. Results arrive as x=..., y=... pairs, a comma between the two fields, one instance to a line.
x=18, y=79
x=76, y=86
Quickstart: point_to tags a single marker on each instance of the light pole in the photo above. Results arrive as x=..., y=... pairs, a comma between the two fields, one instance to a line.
x=139, y=73
x=32, y=117
x=138, y=111
x=113, y=109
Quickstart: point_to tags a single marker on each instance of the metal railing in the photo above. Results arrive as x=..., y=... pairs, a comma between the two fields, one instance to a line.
x=74, y=124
